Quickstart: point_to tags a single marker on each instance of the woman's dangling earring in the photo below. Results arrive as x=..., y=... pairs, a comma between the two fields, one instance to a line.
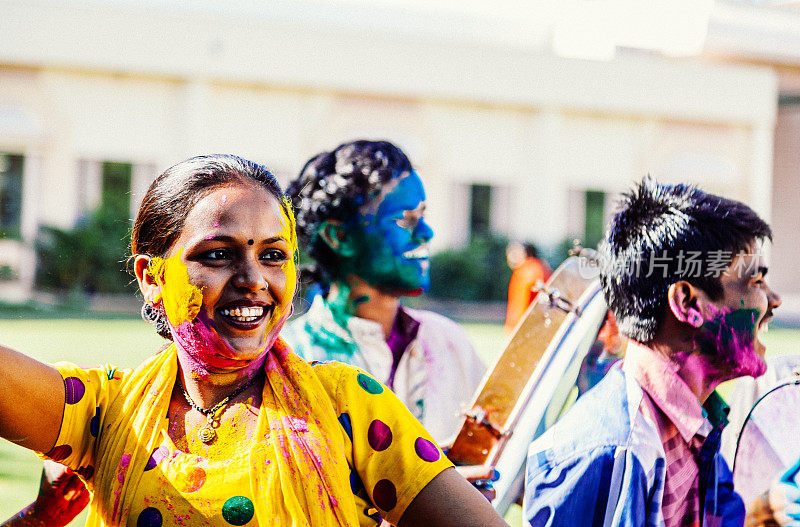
x=150, y=313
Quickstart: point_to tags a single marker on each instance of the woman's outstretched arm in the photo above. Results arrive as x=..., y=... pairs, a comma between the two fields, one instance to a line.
x=449, y=500
x=62, y=496
x=31, y=401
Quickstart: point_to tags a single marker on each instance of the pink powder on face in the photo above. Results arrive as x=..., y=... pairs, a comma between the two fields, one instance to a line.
x=728, y=339
x=202, y=348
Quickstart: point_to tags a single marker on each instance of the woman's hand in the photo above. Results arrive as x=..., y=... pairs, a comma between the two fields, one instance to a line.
x=783, y=498
x=62, y=496
x=482, y=478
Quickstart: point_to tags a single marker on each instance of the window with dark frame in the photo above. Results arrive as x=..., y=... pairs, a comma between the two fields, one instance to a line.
x=11, y=167
x=116, y=189
x=480, y=210
x=595, y=201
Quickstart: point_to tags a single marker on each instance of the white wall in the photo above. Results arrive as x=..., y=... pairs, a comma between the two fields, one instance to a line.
x=152, y=86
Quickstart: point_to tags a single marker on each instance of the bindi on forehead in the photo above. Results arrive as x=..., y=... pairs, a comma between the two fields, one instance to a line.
x=250, y=242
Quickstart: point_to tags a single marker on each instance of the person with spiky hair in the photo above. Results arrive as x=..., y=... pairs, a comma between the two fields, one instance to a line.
x=684, y=277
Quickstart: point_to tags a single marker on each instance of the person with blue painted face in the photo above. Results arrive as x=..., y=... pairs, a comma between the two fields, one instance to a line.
x=360, y=213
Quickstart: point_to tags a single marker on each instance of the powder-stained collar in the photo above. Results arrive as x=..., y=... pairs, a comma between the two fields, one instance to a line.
x=658, y=376
x=406, y=325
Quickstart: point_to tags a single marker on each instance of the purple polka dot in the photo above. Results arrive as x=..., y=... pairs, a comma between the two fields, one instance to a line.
x=156, y=457
x=87, y=472
x=384, y=495
x=59, y=452
x=74, y=389
x=379, y=435
x=150, y=517
x=426, y=450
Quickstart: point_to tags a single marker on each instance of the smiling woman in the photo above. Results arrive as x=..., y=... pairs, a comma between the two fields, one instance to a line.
x=226, y=425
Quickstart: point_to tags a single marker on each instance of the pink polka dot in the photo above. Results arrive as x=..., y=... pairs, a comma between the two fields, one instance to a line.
x=74, y=389
x=379, y=435
x=426, y=450
x=59, y=453
x=384, y=495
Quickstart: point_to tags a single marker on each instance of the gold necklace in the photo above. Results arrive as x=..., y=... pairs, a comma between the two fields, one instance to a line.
x=206, y=433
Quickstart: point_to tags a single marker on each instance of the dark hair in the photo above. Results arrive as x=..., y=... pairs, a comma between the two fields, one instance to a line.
x=332, y=186
x=530, y=250
x=172, y=195
x=645, y=249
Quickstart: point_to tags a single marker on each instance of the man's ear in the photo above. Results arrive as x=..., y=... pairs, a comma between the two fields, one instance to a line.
x=686, y=303
x=336, y=236
x=148, y=285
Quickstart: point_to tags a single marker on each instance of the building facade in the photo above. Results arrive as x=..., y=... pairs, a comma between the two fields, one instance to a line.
x=97, y=98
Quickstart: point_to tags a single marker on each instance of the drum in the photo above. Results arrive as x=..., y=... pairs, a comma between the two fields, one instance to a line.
x=533, y=379
x=769, y=442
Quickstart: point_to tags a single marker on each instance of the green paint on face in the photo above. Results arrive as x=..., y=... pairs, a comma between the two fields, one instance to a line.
x=340, y=307
x=389, y=239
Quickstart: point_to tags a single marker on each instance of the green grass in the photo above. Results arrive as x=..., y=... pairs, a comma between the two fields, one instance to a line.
x=122, y=342
x=127, y=342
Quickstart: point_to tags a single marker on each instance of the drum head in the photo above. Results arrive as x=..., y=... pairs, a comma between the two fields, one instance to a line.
x=769, y=442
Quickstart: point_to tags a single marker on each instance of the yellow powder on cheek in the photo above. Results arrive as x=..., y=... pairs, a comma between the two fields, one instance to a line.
x=289, y=268
x=182, y=300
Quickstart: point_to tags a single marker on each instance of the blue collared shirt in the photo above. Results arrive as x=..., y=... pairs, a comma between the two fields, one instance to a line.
x=603, y=464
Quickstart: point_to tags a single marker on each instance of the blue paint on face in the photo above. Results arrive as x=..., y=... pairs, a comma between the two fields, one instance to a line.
x=391, y=238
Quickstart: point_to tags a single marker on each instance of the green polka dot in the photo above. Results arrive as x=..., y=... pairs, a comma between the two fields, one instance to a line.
x=238, y=510
x=369, y=384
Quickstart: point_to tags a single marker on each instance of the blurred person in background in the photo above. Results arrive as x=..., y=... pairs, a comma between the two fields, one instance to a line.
x=360, y=215
x=529, y=271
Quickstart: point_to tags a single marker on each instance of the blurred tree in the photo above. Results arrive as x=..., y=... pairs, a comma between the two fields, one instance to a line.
x=90, y=258
x=478, y=272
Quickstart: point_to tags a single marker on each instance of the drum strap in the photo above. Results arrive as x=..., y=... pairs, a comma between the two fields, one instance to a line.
x=750, y=413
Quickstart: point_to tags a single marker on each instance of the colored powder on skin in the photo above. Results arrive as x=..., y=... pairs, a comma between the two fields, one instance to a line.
x=192, y=329
x=728, y=339
x=289, y=268
x=362, y=299
x=182, y=300
x=383, y=243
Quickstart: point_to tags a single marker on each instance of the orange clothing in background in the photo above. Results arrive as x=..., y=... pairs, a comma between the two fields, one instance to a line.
x=520, y=289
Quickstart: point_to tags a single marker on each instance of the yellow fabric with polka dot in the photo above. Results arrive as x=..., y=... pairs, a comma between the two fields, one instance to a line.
x=361, y=456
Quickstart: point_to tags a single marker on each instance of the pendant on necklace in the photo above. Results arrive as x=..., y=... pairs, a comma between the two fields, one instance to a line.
x=206, y=432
